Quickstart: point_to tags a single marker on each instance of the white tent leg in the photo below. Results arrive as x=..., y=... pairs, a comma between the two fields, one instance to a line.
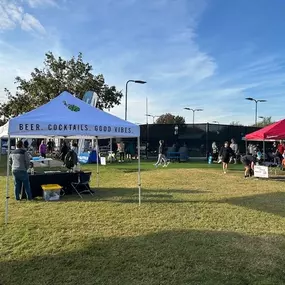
x=97, y=162
x=139, y=170
x=111, y=150
x=7, y=180
x=263, y=150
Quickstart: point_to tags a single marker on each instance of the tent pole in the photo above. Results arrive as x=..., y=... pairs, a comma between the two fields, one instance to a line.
x=139, y=170
x=97, y=162
x=246, y=150
x=111, y=150
x=263, y=150
x=7, y=180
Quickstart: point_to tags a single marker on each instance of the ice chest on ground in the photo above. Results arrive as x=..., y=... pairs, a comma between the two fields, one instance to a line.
x=51, y=192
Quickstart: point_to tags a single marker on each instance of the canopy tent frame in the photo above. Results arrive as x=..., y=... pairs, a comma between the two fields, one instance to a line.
x=115, y=128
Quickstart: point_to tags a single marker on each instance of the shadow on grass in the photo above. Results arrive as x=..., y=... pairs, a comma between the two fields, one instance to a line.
x=133, y=170
x=273, y=203
x=170, y=257
x=130, y=195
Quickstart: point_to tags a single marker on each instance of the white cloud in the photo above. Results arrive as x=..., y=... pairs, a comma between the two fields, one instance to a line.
x=196, y=68
x=37, y=3
x=30, y=24
x=10, y=15
x=13, y=15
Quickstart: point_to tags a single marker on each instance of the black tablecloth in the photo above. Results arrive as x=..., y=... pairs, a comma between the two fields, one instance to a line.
x=63, y=179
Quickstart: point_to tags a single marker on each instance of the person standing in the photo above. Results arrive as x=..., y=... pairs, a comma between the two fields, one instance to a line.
x=280, y=149
x=121, y=150
x=34, y=146
x=63, y=151
x=226, y=152
x=49, y=146
x=71, y=159
x=215, y=151
x=20, y=161
x=234, y=147
x=74, y=147
x=161, y=155
x=26, y=144
x=43, y=149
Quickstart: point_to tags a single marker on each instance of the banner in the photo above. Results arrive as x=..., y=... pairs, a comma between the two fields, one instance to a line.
x=261, y=171
x=91, y=98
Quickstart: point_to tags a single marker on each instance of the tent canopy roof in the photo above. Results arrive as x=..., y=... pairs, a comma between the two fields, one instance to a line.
x=275, y=131
x=68, y=116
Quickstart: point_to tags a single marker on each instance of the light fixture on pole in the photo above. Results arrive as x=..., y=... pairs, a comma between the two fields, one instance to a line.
x=152, y=116
x=218, y=123
x=176, y=128
x=126, y=96
x=194, y=111
x=256, y=102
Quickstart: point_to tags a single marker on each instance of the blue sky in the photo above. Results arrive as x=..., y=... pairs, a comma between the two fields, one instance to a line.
x=208, y=54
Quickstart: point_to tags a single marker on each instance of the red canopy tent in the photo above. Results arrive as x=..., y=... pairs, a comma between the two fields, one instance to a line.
x=272, y=132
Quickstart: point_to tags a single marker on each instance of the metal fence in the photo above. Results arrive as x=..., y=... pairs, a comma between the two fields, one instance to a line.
x=197, y=137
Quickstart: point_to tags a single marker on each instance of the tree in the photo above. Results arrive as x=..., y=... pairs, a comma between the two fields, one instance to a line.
x=235, y=123
x=170, y=119
x=58, y=75
x=266, y=121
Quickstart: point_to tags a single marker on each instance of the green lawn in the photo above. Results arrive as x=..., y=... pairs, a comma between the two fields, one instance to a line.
x=195, y=226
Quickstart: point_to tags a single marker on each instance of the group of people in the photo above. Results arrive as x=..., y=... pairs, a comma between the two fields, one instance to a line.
x=122, y=151
x=226, y=154
x=278, y=153
x=20, y=161
x=43, y=148
x=230, y=152
x=253, y=156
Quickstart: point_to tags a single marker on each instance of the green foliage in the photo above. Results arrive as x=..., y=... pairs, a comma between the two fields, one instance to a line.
x=235, y=123
x=170, y=119
x=58, y=75
x=266, y=121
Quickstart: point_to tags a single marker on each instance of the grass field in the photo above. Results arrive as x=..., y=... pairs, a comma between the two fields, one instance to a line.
x=195, y=226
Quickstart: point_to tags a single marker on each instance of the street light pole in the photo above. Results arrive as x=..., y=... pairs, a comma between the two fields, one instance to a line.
x=153, y=117
x=126, y=94
x=256, y=102
x=193, y=110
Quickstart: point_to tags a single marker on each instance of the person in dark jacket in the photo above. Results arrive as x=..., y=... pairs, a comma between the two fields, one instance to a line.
x=248, y=161
x=20, y=161
x=71, y=159
x=225, y=153
x=63, y=151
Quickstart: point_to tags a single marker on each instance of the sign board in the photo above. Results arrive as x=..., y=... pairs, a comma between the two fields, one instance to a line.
x=103, y=160
x=261, y=171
